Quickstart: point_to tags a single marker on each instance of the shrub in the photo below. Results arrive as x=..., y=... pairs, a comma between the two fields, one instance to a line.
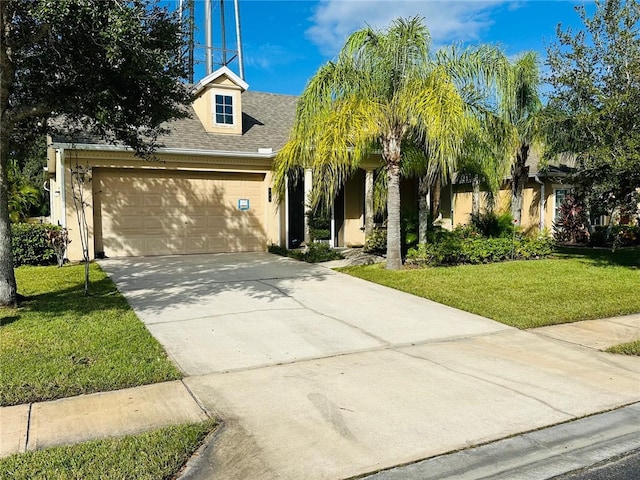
x=319, y=223
x=377, y=241
x=30, y=245
x=319, y=252
x=571, y=225
x=615, y=236
x=314, y=253
x=598, y=237
x=625, y=235
x=490, y=224
x=453, y=249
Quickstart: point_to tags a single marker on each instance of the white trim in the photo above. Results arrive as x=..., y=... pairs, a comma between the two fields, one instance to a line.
x=308, y=182
x=235, y=101
x=286, y=213
x=60, y=167
x=198, y=87
x=332, y=242
x=555, y=187
x=169, y=151
x=543, y=201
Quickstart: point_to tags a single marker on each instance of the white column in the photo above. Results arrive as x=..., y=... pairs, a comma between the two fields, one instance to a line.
x=308, y=183
x=368, y=203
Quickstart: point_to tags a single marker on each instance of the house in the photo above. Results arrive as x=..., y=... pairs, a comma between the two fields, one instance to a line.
x=543, y=194
x=210, y=189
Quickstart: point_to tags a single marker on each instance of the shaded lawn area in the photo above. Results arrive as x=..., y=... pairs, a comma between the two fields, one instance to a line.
x=575, y=284
x=151, y=455
x=61, y=343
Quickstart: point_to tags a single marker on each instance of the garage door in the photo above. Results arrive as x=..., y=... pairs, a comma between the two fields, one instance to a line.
x=160, y=212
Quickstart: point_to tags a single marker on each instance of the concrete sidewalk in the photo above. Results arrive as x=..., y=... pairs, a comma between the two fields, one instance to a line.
x=91, y=417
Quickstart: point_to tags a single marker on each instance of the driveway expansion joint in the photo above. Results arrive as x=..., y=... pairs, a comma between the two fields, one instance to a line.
x=490, y=382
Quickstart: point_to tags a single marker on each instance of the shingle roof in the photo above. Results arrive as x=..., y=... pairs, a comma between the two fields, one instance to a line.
x=267, y=119
x=558, y=166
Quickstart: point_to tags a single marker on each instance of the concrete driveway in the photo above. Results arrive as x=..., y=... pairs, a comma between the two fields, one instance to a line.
x=318, y=375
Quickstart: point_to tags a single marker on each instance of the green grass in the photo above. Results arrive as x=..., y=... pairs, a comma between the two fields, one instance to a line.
x=61, y=343
x=153, y=455
x=576, y=284
x=631, y=348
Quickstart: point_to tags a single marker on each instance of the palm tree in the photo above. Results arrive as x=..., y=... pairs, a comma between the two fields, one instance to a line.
x=480, y=74
x=382, y=90
x=521, y=107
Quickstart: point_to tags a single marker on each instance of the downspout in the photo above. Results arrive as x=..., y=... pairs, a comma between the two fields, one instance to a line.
x=63, y=188
x=543, y=200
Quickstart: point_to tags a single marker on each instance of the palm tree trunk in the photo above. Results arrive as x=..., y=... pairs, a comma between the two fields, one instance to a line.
x=391, y=154
x=423, y=209
x=519, y=175
x=475, y=196
x=436, y=191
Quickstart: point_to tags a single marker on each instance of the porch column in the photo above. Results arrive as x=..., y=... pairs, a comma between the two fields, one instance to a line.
x=308, y=182
x=368, y=203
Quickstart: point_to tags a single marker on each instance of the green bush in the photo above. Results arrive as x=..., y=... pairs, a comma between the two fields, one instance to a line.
x=319, y=252
x=625, y=235
x=319, y=221
x=598, y=237
x=314, y=253
x=377, y=241
x=615, y=236
x=30, y=246
x=454, y=249
x=490, y=224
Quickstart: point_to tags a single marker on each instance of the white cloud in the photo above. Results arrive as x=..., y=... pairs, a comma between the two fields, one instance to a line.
x=267, y=56
x=447, y=21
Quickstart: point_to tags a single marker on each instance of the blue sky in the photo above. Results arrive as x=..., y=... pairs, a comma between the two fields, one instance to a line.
x=286, y=41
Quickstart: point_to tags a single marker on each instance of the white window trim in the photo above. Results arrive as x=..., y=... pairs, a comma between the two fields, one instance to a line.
x=554, y=188
x=235, y=102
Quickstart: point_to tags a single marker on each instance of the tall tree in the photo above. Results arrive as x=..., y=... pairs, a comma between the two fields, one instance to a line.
x=383, y=89
x=521, y=107
x=480, y=75
x=594, y=107
x=111, y=66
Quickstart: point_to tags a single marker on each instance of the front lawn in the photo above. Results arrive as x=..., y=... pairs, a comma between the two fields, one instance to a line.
x=61, y=343
x=631, y=348
x=151, y=455
x=576, y=284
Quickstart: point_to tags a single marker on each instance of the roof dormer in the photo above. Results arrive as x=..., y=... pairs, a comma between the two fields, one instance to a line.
x=218, y=102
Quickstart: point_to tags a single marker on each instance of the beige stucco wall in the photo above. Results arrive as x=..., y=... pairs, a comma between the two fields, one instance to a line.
x=270, y=220
x=462, y=201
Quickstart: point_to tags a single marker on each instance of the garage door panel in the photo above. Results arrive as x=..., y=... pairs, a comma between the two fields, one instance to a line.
x=157, y=212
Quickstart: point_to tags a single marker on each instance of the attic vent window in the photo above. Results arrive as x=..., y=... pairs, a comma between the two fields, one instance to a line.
x=224, y=109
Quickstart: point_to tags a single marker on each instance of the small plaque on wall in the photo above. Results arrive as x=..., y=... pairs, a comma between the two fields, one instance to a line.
x=243, y=204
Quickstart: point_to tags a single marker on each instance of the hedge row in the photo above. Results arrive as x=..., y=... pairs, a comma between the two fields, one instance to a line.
x=30, y=245
x=455, y=251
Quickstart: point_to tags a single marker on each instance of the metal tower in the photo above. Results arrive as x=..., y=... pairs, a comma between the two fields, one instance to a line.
x=213, y=49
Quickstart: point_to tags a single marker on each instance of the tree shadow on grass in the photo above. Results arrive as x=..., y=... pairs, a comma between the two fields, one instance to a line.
x=8, y=320
x=103, y=295
x=600, y=257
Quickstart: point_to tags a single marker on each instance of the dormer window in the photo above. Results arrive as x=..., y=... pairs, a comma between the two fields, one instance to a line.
x=218, y=102
x=224, y=109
